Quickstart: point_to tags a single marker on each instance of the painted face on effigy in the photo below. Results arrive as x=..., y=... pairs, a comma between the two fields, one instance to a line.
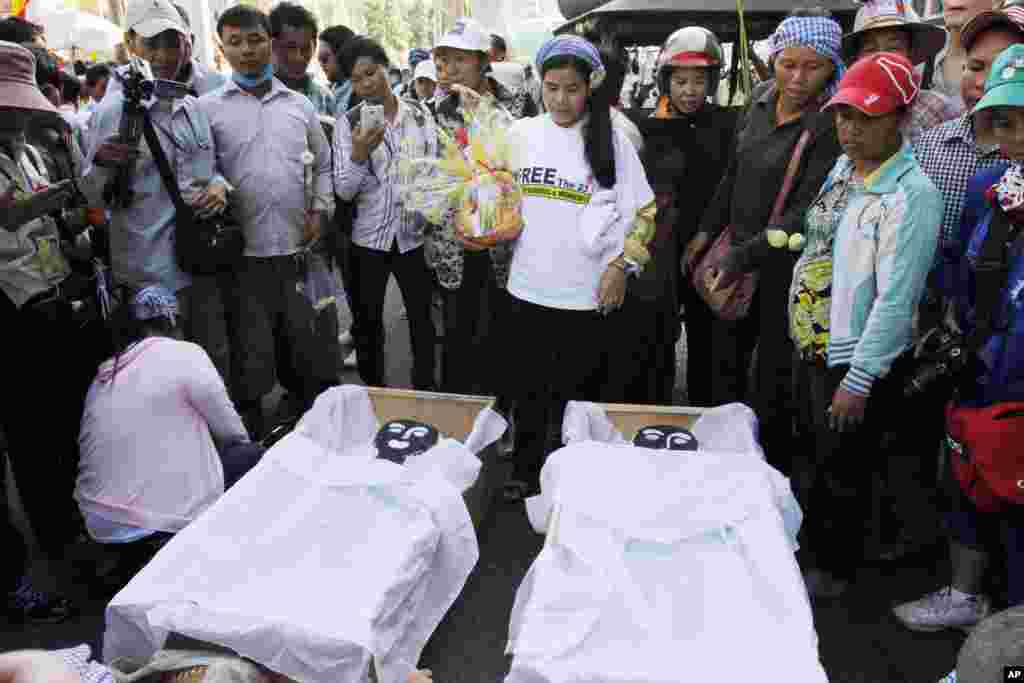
x=399, y=440
x=666, y=438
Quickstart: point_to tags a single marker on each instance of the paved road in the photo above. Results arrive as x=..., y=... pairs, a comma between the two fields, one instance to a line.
x=860, y=641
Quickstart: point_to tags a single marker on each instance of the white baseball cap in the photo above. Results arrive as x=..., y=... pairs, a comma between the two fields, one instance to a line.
x=426, y=69
x=152, y=17
x=467, y=34
x=510, y=74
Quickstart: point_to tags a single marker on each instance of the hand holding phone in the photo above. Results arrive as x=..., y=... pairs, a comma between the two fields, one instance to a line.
x=371, y=117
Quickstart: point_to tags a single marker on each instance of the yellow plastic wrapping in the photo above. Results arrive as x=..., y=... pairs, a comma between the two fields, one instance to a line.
x=471, y=181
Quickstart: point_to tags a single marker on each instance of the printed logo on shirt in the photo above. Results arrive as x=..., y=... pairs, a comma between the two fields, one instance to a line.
x=540, y=181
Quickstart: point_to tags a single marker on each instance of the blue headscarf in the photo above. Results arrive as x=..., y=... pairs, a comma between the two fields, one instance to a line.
x=154, y=301
x=821, y=34
x=573, y=46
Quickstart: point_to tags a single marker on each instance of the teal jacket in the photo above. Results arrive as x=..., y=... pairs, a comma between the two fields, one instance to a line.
x=884, y=247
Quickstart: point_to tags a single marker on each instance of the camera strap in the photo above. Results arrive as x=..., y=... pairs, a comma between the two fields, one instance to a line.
x=990, y=275
x=170, y=182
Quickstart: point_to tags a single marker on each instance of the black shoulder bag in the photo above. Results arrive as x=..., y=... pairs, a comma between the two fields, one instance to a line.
x=946, y=355
x=202, y=246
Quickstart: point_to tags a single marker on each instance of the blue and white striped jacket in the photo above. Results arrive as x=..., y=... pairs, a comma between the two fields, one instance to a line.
x=884, y=247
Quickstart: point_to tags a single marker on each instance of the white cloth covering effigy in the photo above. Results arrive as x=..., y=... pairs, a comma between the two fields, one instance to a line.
x=663, y=566
x=320, y=560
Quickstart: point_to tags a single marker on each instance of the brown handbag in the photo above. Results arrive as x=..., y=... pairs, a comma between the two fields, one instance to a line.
x=733, y=302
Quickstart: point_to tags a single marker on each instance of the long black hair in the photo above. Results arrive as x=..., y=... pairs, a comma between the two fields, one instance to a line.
x=598, y=141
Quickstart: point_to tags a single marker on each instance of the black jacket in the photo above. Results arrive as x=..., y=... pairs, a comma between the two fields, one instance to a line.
x=685, y=158
x=747, y=193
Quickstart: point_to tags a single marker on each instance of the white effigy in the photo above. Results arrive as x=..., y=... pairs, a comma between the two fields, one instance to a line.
x=323, y=560
x=663, y=566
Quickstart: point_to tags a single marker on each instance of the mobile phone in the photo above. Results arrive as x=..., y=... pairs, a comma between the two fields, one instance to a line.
x=372, y=116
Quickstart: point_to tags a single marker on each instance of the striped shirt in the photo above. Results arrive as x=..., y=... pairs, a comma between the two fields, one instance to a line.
x=375, y=186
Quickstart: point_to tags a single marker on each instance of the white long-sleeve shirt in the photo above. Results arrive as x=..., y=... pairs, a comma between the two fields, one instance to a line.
x=260, y=142
x=148, y=459
x=381, y=216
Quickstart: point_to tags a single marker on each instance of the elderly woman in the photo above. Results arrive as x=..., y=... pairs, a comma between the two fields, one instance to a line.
x=461, y=59
x=805, y=54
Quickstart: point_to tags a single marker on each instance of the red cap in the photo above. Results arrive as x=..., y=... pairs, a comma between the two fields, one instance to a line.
x=878, y=84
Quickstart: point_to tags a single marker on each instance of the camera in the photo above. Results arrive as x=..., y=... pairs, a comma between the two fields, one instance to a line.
x=943, y=359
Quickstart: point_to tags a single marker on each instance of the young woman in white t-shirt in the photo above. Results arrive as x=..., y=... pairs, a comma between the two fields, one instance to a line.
x=588, y=213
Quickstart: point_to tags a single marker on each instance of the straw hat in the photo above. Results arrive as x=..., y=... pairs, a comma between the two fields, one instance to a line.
x=18, y=87
x=926, y=40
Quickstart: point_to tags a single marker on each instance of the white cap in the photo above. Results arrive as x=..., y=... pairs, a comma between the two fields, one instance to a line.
x=510, y=74
x=152, y=17
x=466, y=35
x=426, y=69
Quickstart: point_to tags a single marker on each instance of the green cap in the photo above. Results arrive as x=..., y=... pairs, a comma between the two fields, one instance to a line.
x=1004, y=86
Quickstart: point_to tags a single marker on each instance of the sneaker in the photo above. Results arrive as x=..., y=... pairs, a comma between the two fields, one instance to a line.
x=350, y=361
x=26, y=605
x=940, y=610
x=345, y=338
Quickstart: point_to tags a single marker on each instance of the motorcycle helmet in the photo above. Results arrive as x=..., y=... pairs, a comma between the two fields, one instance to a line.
x=690, y=46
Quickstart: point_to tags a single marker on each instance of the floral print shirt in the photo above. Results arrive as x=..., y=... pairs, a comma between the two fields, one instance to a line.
x=444, y=251
x=810, y=294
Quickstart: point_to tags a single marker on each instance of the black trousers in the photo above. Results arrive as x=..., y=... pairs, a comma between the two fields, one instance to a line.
x=465, y=325
x=15, y=553
x=763, y=380
x=371, y=270
x=838, y=478
x=559, y=361
x=698, y=319
x=640, y=359
x=51, y=360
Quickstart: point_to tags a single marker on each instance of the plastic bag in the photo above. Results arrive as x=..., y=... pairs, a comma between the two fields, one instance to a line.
x=471, y=181
x=321, y=286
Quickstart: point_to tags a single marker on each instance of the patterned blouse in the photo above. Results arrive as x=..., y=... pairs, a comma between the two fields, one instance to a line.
x=810, y=294
x=444, y=251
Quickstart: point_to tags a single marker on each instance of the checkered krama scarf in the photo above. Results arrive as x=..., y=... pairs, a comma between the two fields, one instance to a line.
x=573, y=46
x=821, y=34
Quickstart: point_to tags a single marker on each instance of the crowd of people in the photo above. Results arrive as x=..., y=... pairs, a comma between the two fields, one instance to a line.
x=820, y=248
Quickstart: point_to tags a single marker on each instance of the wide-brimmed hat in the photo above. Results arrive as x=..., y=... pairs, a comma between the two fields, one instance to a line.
x=926, y=40
x=18, y=87
x=468, y=35
x=878, y=84
x=1004, y=86
x=149, y=18
x=1009, y=18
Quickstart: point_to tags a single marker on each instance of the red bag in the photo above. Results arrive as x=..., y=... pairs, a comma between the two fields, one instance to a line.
x=733, y=302
x=986, y=451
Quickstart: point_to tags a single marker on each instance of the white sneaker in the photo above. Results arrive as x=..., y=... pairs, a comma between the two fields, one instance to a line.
x=350, y=361
x=940, y=610
x=345, y=338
